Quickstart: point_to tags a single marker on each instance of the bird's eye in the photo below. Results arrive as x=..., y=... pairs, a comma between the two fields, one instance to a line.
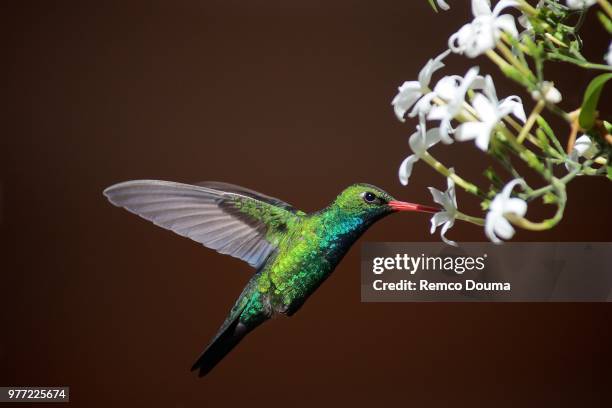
x=369, y=197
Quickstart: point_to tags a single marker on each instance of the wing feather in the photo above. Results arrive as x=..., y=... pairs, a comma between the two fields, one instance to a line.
x=228, y=218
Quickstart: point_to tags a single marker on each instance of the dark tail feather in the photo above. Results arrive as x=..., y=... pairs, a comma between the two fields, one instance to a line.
x=220, y=346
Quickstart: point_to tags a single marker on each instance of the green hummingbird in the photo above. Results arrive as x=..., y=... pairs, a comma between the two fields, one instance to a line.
x=293, y=252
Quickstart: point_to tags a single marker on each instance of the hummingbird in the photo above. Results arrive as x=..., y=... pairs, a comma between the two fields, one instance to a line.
x=292, y=252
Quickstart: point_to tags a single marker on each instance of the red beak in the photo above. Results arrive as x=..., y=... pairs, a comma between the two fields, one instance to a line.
x=403, y=206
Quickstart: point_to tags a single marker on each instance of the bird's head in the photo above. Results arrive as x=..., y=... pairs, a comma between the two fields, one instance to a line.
x=370, y=202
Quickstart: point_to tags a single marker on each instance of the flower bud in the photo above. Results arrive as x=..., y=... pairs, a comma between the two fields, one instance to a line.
x=551, y=94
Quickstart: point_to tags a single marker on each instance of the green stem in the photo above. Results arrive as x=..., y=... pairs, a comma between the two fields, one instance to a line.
x=524, y=223
x=505, y=162
x=555, y=40
x=564, y=180
x=559, y=186
x=499, y=61
x=474, y=220
x=510, y=137
x=525, y=154
x=534, y=140
x=543, y=124
x=514, y=61
x=538, y=226
x=606, y=6
x=582, y=64
x=531, y=120
x=446, y=172
x=527, y=8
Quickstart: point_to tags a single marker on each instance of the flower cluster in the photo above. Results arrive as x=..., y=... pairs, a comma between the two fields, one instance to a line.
x=481, y=35
x=446, y=103
x=467, y=108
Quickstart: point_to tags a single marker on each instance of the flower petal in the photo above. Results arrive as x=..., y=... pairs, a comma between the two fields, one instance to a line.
x=579, y=4
x=481, y=7
x=507, y=24
x=466, y=83
x=514, y=105
x=445, y=130
x=470, y=130
x=432, y=137
x=489, y=89
x=405, y=169
x=515, y=206
x=502, y=4
x=443, y=5
x=582, y=145
x=483, y=38
x=484, y=108
x=437, y=112
x=432, y=66
x=507, y=190
x=503, y=228
x=417, y=140
x=423, y=105
x=408, y=94
x=457, y=42
x=496, y=224
x=484, y=137
x=450, y=190
x=553, y=95
x=437, y=195
x=438, y=219
x=447, y=86
x=448, y=225
x=490, y=221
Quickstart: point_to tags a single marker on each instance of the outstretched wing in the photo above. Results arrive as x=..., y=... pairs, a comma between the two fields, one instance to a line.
x=230, y=219
x=232, y=188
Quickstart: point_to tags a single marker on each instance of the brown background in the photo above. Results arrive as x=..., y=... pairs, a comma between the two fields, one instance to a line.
x=290, y=98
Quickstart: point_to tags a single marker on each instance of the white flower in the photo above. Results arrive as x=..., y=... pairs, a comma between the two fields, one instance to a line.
x=411, y=91
x=481, y=35
x=452, y=90
x=583, y=147
x=511, y=103
x=446, y=218
x=419, y=141
x=490, y=112
x=496, y=224
x=579, y=4
x=443, y=5
x=609, y=55
x=551, y=94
